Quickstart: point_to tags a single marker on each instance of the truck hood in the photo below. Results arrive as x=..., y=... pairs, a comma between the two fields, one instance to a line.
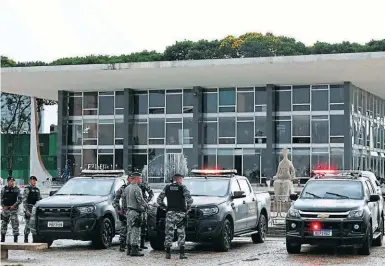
x=328, y=205
x=70, y=200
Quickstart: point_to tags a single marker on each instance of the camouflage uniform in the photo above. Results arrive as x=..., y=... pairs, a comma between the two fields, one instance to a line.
x=136, y=205
x=122, y=218
x=179, y=202
x=10, y=197
x=31, y=195
x=145, y=190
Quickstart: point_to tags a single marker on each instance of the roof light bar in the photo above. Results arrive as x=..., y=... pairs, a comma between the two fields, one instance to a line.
x=214, y=171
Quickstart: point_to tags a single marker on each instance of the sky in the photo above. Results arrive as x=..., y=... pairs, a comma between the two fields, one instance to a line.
x=46, y=30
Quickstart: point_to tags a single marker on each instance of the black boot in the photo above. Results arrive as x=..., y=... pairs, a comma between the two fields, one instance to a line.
x=25, y=238
x=122, y=247
x=142, y=246
x=168, y=253
x=128, y=250
x=15, y=239
x=182, y=256
x=2, y=237
x=135, y=252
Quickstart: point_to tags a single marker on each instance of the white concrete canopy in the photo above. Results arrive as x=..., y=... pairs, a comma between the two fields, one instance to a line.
x=365, y=70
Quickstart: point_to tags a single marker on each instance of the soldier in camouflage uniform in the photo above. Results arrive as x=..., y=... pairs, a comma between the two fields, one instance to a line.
x=179, y=202
x=10, y=201
x=121, y=212
x=146, y=189
x=30, y=197
x=136, y=205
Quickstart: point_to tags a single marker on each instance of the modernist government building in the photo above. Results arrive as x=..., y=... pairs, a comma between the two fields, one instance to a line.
x=329, y=110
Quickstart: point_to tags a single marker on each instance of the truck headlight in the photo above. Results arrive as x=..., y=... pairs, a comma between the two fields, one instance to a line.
x=33, y=213
x=86, y=209
x=356, y=214
x=209, y=211
x=293, y=213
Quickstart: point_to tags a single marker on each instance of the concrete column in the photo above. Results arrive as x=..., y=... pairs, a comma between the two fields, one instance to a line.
x=348, y=126
x=197, y=129
x=128, y=129
x=268, y=158
x=62, y=112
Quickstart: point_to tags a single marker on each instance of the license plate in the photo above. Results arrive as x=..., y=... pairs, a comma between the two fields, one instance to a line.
x=322, y=233
x=55, y=224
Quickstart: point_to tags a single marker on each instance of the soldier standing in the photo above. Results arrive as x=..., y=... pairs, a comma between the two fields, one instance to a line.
x=179, y=202
x=146, y=189
x=10, y=201
x=30, y=197
x=136, y=205
x=122, y=215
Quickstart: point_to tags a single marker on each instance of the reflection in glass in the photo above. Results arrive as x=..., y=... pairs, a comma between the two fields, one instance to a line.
x=319, y=160
x=225, y=159
x=75, y=106
x=260, y=96
x=191, y=162
x=301, y=94
x=75, y=163
x=106, y=162
x=119, y=99
x=188, y=97
x=209, y=158
x=337, y=158
x=156, y=128
x=251, y=166
x=227, y=127
x=210, y=133
x=90, y=130
x=245, y=133
x=187, y=131
x=156, y=98
x=210, y=103
x=139, y=161
x=320, y=100
x=282, y=101
x=301, y=125
x=156, y=163
x=320, y=131
x=226, y=96
x=174, y=104
x=141, y=104
x=90, y=159
x=119, y=159
x=260, y=126
x=283, y=131
x=90, y=100
x=336, y=125
x=301, y=161
x=140, y=134
x=106, y=106
x=119, y=130
x=106, y=134
x=75, y=134
x=173, y=133
x=245, y=102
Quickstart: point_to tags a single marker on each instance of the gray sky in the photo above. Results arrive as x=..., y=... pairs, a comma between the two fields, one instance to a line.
x=50, y=29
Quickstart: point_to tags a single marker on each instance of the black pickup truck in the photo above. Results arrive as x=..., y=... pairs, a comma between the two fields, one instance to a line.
x=336, y=210
x=225, y=206
x=81, y=209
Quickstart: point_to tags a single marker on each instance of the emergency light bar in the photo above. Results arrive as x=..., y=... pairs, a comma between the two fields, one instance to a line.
x=105, y=173
x=214, y=172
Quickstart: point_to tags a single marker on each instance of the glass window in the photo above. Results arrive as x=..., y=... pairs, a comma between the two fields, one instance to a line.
x=301, y=161
x=191, y=158
x=320, y=131
x=235, y=186
x=208, y=188
x=227, y=127
x=320, y=100
x=330, y=189
x=226, y=96
x=301, y=94
x=139, y=161
x=337, y=158
x=320, y=159
x=75, y=106
x=140, y=134
x=118, y=159
x=187, y=130
x=282, y=101
x=119, y=130
x=209, y=158
x=141, y=104
x=106, y=162
x=244, y=186
x=337, y=125
x=75, y=134
x=75, y=164
x=225, y=159
x=90, y=130
x=156, y=98
x=283, y=131
x=156, y=128
x=260, y=96
x=337, y=93
x=87, y=186
x=251, y=167
x=245, y=102
x=301, y=125
x=90, y=100
x=188, y=97
x=174, y=133
x=174, y=104
x=210, y=102
x=106, y=106
x=119, y=99
x=210, y=133
x=245, y=132
x=260, y=126
x=106, y=134
x=90, y=159
x=156, y=163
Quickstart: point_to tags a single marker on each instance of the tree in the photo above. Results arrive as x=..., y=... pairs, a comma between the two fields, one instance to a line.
x=16, y=120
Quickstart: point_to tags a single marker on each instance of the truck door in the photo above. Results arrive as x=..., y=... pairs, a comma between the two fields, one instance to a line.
x=118, y=184
x=372, y=205
x=238, y=208
x=251, y=216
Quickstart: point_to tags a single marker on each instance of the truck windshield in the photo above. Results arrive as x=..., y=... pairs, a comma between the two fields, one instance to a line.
x=206, y=187
x=333, y=189
x=86, y=187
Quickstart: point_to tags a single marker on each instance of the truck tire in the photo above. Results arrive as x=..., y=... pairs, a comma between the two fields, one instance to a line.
x=157, y=243
x=223, y=243
x=292, y=248
x=378, y=241
x=262, y=230
x=365, y=249
x=104, y=234
x=39, y=239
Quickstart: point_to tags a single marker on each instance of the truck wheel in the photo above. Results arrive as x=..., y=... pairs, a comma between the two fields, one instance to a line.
x=292, y=248
x=365, y=249
x=157, y=243
x=39, y=239
x=223, y=243
x=104, y=234
x=262, y=230
x=378, y=241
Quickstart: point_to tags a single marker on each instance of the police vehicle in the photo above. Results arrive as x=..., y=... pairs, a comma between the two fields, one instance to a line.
x=225, y=206
x=338, y=208
x=81, y=209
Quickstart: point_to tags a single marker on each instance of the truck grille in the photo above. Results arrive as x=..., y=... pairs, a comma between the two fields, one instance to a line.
x=194, y=213
x=56, y=213
x=320, y=215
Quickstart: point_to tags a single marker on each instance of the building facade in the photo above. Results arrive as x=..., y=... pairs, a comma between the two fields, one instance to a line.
x=335, y=125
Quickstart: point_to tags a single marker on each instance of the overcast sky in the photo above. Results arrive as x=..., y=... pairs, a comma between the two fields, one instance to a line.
x=50, y=29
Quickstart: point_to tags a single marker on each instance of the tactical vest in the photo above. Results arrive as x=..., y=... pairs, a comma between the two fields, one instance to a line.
x=33, y=195
x=10, y=196
x=175, y=198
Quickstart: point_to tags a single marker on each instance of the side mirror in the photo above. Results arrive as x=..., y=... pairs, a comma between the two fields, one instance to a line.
x=374, y=198
x=238, y=195
x=293, y=197
x=51, y=193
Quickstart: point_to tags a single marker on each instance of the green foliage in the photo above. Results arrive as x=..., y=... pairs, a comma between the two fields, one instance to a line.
x=251, y=44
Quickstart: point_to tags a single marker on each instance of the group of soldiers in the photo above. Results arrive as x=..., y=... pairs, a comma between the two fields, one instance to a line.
x=11, y=199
